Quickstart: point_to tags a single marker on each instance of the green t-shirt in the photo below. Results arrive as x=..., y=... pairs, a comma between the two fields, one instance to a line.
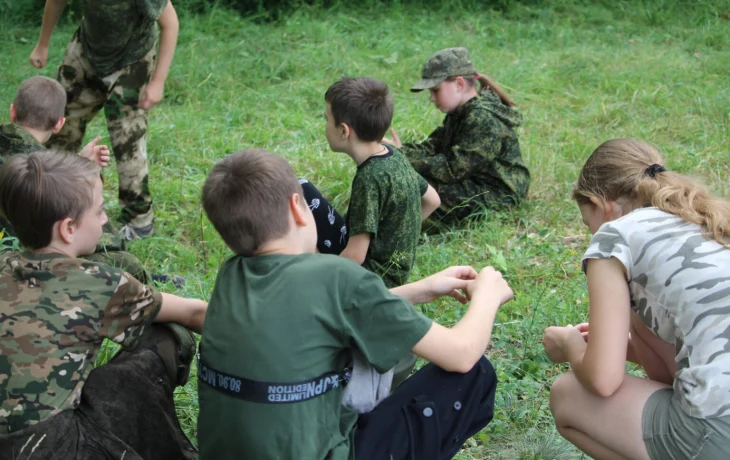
x=386, y=202
x=117, y=33
x=290, y=318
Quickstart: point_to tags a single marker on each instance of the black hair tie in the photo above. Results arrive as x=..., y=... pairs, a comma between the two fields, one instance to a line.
x=654, y=169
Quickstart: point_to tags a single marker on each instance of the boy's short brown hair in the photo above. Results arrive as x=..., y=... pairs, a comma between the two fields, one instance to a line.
x=365, y=104
x=39, y=189
x=246, y=197
x=39, y=103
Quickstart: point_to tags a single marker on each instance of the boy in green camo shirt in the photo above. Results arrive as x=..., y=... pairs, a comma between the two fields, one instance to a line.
x=389, y=198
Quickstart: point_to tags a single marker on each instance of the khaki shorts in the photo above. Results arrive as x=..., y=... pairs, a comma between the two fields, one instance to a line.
x=669, y=433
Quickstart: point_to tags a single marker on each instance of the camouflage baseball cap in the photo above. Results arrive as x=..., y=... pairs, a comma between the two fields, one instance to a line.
x=450, y=62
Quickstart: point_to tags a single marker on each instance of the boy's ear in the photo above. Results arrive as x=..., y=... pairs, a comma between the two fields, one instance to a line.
x=13, y=115
x=59, y=124
x=66, y=230
x=345, y=131
x=298, y=207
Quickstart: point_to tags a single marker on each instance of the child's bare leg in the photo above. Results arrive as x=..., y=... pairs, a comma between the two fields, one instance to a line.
x=604, y=428
x=656, y=356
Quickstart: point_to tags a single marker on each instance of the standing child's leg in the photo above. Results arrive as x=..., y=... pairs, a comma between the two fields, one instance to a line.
x=430, y=416
x=127, y=124
x=331, y=229
x=85, y=93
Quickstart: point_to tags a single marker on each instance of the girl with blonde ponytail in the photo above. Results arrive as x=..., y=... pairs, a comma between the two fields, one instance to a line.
x=473, y=160
x=658, y=270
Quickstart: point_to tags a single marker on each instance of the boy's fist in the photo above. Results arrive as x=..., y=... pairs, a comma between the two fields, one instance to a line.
x=99, y=154
x=490, y=281
x=39, y=57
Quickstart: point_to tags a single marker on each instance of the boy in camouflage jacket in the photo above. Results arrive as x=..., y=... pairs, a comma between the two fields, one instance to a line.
x=56, y=309
x=112, y=62
x=473, y=160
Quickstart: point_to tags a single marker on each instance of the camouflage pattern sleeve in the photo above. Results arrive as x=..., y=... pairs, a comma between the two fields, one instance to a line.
x=152, y=9
x=363, y=214
x=422, y=185
x=131, y=309
x=478, y=142
x=425, y=149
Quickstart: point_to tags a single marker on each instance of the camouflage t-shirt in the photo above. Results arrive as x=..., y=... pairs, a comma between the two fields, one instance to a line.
x=54, y=313
x=116, y=33
x=386, y=202
x=679, y=282
x=15, y=140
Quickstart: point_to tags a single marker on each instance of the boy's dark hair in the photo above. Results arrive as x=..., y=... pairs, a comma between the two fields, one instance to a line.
x=246, y=197
x=39, y=103
x=365, y=104
x=39, y=189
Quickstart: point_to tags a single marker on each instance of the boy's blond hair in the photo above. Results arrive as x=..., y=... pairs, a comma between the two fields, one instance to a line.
x=246, y=197
x=39, y=189
x=39, y=103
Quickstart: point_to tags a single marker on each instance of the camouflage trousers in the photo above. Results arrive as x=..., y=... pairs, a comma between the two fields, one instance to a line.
x=127, y=410
x=118, y=94
x=464, y=199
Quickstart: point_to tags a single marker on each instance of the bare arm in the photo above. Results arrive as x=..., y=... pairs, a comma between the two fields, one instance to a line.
x=51, y=13
x=600, y=364
x=459, y=348
x=169, y=27
x=430, y=201
x=186, y=312
x=357, y=248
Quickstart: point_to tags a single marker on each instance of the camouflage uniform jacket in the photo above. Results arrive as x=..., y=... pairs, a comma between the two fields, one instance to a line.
x=476, y=149
x=386, y=202
x=117, y=33
x=54, y=313
x=15, y=140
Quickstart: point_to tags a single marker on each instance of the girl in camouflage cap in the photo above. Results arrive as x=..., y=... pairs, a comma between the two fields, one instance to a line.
x=473, y=159
x=658, y=269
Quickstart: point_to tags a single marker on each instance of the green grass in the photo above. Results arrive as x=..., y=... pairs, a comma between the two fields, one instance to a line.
x=581, y=73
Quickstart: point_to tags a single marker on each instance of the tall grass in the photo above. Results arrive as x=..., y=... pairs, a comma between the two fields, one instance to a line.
x=581, y=72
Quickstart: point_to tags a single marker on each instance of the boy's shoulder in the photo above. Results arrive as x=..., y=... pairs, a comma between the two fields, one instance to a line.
x=53, y=270
x=392, y=169
x=15, y=140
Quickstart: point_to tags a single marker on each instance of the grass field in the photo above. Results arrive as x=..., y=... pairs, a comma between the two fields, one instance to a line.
x=581, y=73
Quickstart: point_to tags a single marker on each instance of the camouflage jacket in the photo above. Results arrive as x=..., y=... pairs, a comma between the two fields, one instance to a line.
x=477, y=150
x=14, y=140
x=54, y=313
x=117, y=33
x=386, y=202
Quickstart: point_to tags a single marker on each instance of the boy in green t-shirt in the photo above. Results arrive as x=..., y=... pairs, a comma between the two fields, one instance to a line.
x=283, y=324
x=389, y=199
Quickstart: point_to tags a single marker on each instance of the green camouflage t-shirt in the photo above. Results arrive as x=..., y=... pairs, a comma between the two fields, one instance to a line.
x=116, y=33
x=15, y=140
x=54, y=313
x=386, y=202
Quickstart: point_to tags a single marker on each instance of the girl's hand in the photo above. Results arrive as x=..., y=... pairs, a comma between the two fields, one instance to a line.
x=559, y=341
x=395, y=141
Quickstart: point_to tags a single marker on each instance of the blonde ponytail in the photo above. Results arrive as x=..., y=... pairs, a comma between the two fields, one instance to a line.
x=623, y=168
